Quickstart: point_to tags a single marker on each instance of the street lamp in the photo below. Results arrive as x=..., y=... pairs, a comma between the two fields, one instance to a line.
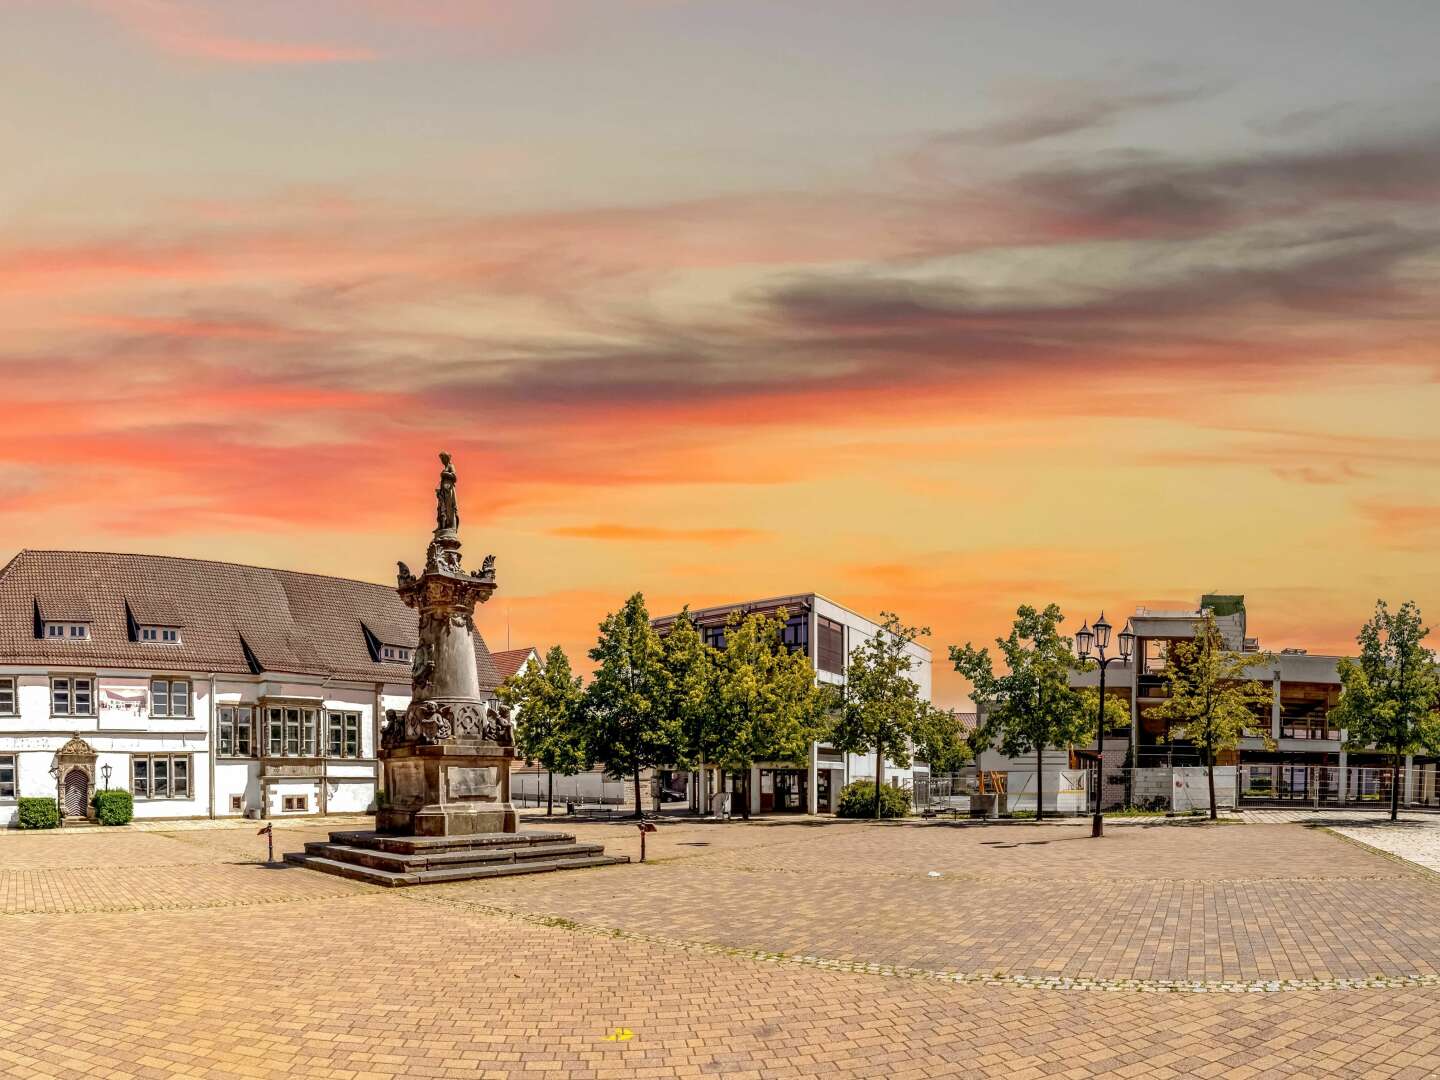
x=1098, y=639
x=105, y=771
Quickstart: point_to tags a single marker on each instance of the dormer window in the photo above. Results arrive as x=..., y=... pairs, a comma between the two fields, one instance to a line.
x=166, y=635
x=398, y=654
x=59, y=631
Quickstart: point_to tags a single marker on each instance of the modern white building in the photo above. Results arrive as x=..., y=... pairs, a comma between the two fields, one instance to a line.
x=206, y=689
x=827, y=633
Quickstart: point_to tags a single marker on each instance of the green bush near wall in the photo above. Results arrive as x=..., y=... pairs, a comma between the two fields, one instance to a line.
x=857, y=800
x=39, y=813
x=114, y=807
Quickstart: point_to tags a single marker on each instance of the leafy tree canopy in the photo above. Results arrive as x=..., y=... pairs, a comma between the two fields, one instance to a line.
x=1032, y=705
x=629, y=725
x=1391, y=690
x=547, y=702
x=882, y=709
x=768, y=707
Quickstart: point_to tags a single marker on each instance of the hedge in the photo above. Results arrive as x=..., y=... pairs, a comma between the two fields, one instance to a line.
x=114, y=807
x=39, y=813
x=857, y=800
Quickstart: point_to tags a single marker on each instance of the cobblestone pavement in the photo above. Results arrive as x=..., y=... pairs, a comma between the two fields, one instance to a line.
x=1414, y=838
x=759, y=950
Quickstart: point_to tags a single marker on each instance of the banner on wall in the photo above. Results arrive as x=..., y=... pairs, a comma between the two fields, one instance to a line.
x=128, y=699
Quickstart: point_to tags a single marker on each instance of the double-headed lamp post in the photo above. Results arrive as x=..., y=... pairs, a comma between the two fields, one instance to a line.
x=1098, y=638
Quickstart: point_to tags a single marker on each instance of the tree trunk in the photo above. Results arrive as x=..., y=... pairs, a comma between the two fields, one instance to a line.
x=879, y=774
x=550, y=792
x=639, y=806
x=1040, y=783
x=1210, y=776
x=745, y=806
x=700, y=786
x=1395, y=788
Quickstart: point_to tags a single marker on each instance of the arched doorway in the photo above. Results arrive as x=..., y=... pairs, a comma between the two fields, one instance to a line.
x=77, y=793
x=74, y=772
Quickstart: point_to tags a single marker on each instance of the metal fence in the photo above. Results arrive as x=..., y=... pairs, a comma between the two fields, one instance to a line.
x=588, y=789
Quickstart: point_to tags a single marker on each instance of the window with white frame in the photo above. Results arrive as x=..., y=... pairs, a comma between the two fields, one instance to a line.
x=7, y=776
x=399, y=654
x=169, y=697
x=72, y=696
x=237, y=731
x=164, y=635
x=160, y=776
x=7, y=697
x=59, y=631
x=290, y=731
x=343, y=738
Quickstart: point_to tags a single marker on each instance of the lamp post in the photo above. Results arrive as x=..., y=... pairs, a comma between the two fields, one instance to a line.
x=1098, y=638
x=105, y=771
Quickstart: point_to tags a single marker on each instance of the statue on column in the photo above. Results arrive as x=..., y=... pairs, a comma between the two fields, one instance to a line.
x=447, y=512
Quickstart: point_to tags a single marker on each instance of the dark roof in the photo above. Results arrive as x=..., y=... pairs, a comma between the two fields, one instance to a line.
x=291, y=622
x=717, y=615
x=509, y=661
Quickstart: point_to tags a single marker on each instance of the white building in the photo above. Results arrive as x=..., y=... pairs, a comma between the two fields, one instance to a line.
x=206, y=689
x=827, y=633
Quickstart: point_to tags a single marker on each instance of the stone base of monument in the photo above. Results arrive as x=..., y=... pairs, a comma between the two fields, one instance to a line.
x=447, y=790
x=381, y=859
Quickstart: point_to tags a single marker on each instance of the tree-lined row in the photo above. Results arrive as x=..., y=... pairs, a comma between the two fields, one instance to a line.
x=1389, y=698
x=677, y=701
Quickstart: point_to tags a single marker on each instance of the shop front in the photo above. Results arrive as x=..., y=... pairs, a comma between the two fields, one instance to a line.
x=784, y=791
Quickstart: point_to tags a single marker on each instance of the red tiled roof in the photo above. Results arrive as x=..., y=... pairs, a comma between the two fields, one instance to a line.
x=509, y=661
x=292, y=622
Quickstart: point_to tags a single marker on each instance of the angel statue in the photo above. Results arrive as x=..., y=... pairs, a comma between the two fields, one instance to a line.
x=447, y=513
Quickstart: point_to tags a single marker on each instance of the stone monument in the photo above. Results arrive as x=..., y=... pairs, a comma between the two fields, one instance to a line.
x=446, y=813
x=447, y=757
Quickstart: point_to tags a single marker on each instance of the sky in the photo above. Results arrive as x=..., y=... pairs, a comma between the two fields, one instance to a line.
x=937, y=308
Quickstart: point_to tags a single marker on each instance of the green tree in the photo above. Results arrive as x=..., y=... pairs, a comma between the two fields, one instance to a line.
x=767, y=704
x=547, y=701
x=693, y=668
x=629, y=719
x=942, y=742
x=1390, y=692
x=1032, y=705
x=881, y=709
x=1211, y=702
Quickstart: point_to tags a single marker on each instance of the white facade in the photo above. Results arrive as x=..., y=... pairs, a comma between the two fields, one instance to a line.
x=173, y=764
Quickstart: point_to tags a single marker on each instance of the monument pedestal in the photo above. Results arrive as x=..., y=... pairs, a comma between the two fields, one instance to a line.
x=447, y=790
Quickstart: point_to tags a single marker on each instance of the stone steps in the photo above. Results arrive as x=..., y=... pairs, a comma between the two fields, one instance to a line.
x=418, y=860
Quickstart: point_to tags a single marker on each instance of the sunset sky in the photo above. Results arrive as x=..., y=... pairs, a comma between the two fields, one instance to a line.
x=939, y=307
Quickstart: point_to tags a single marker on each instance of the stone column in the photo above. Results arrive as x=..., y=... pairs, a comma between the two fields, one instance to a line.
x=812, y=797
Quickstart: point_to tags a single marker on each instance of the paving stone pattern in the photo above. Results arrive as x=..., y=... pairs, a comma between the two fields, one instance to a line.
x=148, y=954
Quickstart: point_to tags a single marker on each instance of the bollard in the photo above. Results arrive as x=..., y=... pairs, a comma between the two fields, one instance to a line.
x=644, y=827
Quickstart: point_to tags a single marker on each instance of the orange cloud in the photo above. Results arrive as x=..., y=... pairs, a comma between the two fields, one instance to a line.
x=187, y=29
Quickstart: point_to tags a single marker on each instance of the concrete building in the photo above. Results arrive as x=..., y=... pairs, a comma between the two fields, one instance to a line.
x=1308, y=762
x=204, y=688
x=827, y=633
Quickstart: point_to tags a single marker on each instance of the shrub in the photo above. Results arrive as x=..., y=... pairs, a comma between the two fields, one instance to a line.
x=114, y=807
x=857, y=800
x=39, y=813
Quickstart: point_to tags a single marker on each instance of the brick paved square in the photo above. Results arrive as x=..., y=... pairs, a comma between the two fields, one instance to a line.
x=765, y=949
